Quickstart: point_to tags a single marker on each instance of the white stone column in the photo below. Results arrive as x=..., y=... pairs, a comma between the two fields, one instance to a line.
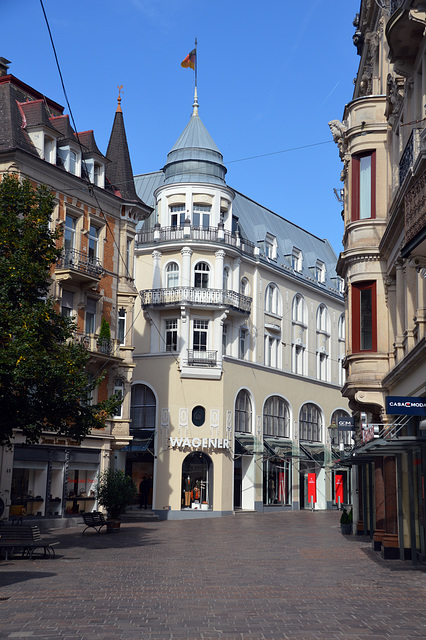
x=156, y=269
x=184, y=341
x=186, y=266
x=218, y=269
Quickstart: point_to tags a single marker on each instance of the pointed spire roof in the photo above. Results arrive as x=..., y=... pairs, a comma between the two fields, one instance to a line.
x=195, y=157
x=119, y=170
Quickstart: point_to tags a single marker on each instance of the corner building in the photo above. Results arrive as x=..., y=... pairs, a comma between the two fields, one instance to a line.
x=381, y=141
x=238, y=353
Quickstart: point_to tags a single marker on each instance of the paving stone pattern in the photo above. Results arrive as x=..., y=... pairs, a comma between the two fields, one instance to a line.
x=246, y=577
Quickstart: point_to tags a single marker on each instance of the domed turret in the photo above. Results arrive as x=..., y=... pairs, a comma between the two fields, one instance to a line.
x=195, y=157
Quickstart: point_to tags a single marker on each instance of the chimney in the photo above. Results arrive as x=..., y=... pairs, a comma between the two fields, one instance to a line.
x=4, y=66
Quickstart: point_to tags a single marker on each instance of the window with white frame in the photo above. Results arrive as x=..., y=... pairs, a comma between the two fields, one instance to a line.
x=129, y=261
x=320, y=271
x=296, y=259
x=172, y=275
x=243, y=412
x=49, y=149
x=310, y=423
x=73, y=167
x=177, y=215
x=119, y=391
x=201, y=275
x=201, y=215
x=276, y=418
x=243, y=343
x=70, y=234
x=271, y=351
x=121, y=326
x=90, y=316
x=299, y=335
x=271, y=246
x=272, y=300
x=323, y=343
x=200, y=335
x=93, y=243
x=171, y=334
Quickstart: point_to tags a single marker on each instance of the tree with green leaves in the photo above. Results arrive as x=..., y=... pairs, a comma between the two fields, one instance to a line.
x=44, y=385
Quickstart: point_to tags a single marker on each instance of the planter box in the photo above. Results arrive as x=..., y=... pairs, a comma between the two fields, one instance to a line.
x=346, y=529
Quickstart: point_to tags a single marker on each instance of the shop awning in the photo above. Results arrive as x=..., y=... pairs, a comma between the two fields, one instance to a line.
x=277, y=448
x=244, y=444
x=141, y=444
x=312, y=452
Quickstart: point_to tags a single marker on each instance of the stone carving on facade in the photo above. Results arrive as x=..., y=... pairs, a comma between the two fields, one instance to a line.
x=415, y=208
x=338, y=130
x=394, y=98
x=389, y=283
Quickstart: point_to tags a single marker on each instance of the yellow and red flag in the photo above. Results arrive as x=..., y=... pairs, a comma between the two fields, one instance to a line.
x=189, y=60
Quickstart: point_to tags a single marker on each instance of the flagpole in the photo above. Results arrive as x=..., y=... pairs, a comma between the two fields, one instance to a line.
x=196, y=63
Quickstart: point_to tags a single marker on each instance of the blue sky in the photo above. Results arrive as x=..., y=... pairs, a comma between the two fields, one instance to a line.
x=270, y=78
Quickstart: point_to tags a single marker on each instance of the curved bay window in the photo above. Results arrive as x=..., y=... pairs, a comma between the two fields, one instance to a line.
x=197, y=481
x=310, y=423
x=243, y=412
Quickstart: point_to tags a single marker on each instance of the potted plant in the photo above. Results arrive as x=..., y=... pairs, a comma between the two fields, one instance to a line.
x=115, y=491
x=104, y=338
x=346, y=522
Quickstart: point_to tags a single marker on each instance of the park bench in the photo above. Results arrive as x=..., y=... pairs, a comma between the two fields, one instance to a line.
x=94, y=520
x=26, y=539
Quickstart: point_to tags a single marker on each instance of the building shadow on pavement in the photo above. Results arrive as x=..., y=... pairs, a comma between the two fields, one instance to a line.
x=8, y=578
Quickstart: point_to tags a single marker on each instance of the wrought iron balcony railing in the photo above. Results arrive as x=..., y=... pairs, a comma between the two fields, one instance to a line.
x=202, y=358
x=79, y=261
x=409, y=155
x=194, y=296
x=93, y=343
x=187, y=232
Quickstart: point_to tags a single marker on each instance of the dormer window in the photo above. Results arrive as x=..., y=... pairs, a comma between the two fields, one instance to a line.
x=296, y=259
x=73, y=162
x=49, y=152
x=69, y=159
x=94, y=172
x=320, y=271
x=271, y=246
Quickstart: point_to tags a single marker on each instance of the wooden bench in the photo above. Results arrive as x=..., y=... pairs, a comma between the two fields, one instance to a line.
x=26, y=539
x=94, y=520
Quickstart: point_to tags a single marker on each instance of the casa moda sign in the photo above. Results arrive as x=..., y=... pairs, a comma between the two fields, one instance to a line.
x=205, y=443
x=405, y=406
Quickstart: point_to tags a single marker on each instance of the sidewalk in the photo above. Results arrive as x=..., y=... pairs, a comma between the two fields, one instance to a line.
x=258, y=577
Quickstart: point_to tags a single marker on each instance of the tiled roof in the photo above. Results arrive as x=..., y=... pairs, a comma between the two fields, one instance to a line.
x=87, y=140
x=119, y=170
x=12, y=133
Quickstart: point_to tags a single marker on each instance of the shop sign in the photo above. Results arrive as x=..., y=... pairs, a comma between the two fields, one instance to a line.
x=370, y=431
x=405, y=406
x=205, y=443
x=346, y=423
x=312, y=487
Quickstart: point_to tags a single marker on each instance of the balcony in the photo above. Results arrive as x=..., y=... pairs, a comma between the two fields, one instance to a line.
x=415, y=209
x=186, y=233
x=202, y=358
x=78, y=266
x=410, y=154
x=102, y=347
x=177, y=296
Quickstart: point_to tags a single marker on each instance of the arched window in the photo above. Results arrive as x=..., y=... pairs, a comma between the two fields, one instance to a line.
x=272, y=300
x=276, y=417
x=243, y=412
x=142, y=411
x=172, y=275
x=310, y=423
x=197, y=481
x=299, y=335
x=201, y=275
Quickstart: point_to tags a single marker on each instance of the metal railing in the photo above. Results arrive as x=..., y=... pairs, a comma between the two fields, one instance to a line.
x=195, y=296
x=92, y=342
x=79, y=261
x=205, y=234
x=409, y=155
x=202, y=358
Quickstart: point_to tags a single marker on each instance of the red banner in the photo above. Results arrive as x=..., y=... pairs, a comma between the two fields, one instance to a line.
x=281, y=487
x=312, y=487
x=338, y=479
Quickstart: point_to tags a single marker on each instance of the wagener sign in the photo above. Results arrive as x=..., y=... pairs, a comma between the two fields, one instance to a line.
x=405, y=406
x=205, y=443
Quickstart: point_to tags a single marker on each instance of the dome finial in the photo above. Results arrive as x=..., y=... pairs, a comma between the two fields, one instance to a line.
x=195, y=103
x=120, y=91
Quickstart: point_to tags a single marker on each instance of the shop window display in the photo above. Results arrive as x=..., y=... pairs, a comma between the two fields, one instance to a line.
x=197, y=489
x=276, y=482
x=81, y=483
x=28, y=489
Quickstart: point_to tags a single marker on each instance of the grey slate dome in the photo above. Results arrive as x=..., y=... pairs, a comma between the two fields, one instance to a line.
x=195, y=157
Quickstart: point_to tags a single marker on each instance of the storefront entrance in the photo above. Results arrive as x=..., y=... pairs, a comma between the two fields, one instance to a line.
x=197, y=482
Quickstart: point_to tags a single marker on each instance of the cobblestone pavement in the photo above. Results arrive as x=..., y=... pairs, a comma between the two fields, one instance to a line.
x=251, y=577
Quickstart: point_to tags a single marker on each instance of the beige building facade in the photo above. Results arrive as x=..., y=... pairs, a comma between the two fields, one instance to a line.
x=381, y=143
x=238, y=352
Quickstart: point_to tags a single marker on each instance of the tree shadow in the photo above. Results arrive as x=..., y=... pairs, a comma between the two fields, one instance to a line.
x=8, y=578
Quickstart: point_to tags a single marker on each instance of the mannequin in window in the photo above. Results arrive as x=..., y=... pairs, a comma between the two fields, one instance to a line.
x=187, y=490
